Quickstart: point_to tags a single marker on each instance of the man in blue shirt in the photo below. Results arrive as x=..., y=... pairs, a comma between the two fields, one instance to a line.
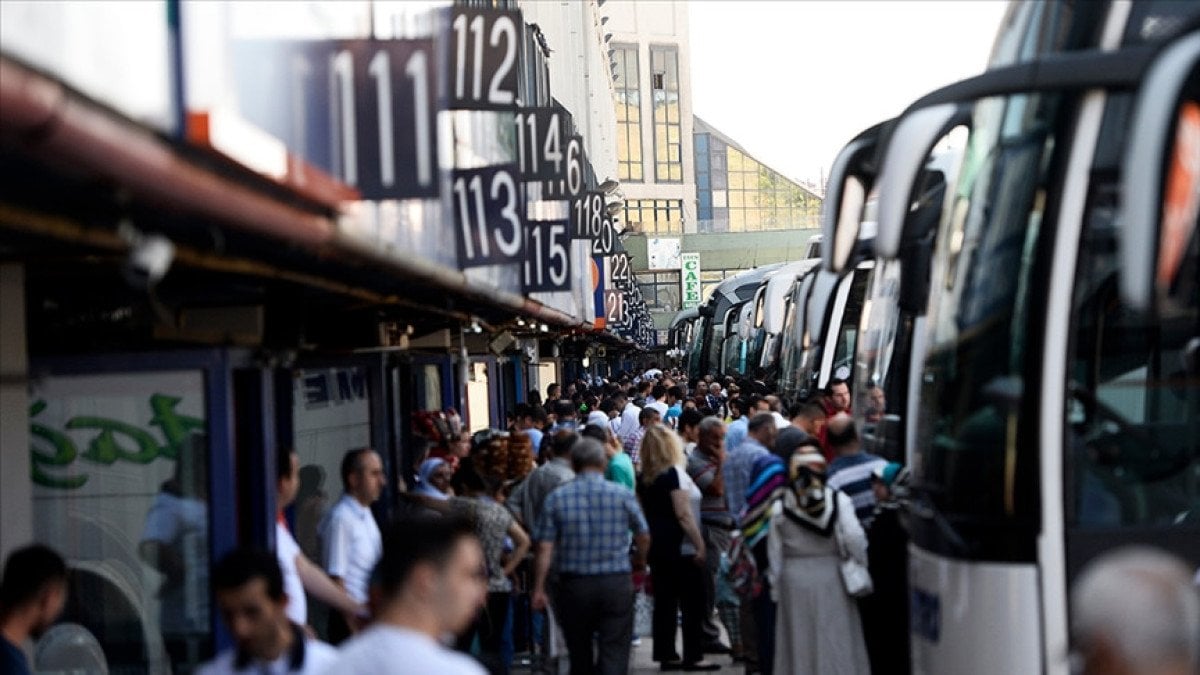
x=530, y=419
x=32, y=595
x=760, y=437
x=851, y=469
x=584, y=529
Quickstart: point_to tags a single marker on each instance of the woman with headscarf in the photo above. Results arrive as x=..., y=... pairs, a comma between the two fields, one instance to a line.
x=433, y=479
x=817, y=628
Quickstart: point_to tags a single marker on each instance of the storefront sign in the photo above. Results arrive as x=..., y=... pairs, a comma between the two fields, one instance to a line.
x=79, y=426
x=690, y=279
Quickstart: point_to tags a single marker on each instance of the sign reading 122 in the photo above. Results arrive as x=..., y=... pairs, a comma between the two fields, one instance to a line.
x=488, y=215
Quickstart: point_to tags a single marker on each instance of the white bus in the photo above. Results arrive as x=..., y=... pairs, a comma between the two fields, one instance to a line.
x=1053, y=404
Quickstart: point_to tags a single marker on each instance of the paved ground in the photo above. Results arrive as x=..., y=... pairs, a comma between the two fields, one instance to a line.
x=642, y=664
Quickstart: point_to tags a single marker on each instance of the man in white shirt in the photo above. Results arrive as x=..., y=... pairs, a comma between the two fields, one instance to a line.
x=430, y=585
x=299, y=573
x=249, y=591
x=350, y=535
x=659, y=393
x=629, y=417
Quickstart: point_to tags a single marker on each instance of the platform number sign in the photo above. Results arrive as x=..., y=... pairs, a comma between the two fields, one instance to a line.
x=364, y=110
x=570, y=184
x=589, y=221
x=488, y=215
x=621, y=276
x=547, y=263
x=541, y=144
x=616, y=308
x=483, y=63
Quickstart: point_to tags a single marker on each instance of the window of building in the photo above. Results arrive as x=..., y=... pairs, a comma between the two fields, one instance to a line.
x=761, y=199
x=657, y=216
x=660, y=290
x=629, y=113
x=668, y=128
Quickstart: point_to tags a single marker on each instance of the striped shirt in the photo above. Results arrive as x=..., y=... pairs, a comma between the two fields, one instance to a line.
x=852, y=474
x=588, y=520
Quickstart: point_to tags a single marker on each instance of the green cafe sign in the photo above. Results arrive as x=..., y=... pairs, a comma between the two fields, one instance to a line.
x=107, y=441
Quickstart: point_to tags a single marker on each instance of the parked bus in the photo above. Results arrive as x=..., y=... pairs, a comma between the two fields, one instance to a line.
x=707, y=356
x=1054, y=407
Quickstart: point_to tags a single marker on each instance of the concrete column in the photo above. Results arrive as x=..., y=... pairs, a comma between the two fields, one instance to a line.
x=16, y=490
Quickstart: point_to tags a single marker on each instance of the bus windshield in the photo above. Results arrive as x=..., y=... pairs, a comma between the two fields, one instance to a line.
x=973, y=407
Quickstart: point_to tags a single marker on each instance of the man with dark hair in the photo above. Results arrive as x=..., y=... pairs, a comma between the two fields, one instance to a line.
x=760, y=437
x=851, y=469
x=735, y=433
x=565, y=416
x=689, y=429
x=32, y=595
x=837, y=397
x=349, y=533
x=530, y=420
x=657, y=401
x=299, y=573
x=429, y=584
x=810, y=418
x=674, y=402
x=629, y=415
x=527, y=499
x=633, y=443
x=248, y=586
x=705, y=466
x=553, y=392
x=584, y=530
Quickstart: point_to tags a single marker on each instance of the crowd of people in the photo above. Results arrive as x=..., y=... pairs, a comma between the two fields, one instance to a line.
x=762, y=533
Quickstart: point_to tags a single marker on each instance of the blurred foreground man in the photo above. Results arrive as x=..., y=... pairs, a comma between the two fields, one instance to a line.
x=32, y=595
x=1136, y=611
x=248, y=585
x=430, y=585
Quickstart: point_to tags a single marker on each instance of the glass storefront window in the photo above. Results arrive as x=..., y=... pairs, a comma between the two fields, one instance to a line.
x=331, y=414
x=120, y=488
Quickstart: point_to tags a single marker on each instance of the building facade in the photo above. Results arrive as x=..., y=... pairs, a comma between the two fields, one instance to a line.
x=687, y=187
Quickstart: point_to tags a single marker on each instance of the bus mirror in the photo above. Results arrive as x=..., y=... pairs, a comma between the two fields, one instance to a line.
x=907, y=151
x=849, y=181
x=1160, y=199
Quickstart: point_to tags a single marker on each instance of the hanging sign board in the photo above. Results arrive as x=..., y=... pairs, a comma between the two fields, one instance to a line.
x=690, y=279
